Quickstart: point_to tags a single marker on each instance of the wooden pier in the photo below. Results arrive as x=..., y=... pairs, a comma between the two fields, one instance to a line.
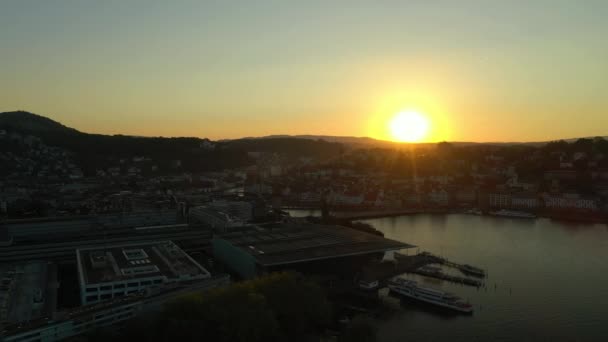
x=415, y=264
x=464, y=268
x=450, y=278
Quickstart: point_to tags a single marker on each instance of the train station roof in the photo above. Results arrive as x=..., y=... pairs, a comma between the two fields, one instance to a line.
x=286, y=243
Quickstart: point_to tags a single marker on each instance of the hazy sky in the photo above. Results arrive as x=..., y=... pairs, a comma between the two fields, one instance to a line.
x=481, y=70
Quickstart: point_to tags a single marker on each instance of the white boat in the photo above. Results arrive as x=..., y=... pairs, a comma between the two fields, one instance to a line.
x=468, y=269
x=430, y=269
x=410, y=289
x=513, y=213
x=368, y=284
x=474, y=211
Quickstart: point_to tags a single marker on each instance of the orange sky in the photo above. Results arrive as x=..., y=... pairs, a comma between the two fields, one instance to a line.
x=480, y=70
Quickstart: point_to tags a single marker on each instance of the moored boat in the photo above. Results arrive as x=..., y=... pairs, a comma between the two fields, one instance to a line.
x=411, y=289
x=513, y=213
x=468, y=269
x=368, y=284
x=474, y=211
x=430, y=269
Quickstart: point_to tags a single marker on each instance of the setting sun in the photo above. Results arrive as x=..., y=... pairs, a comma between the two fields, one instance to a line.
x=409, y=126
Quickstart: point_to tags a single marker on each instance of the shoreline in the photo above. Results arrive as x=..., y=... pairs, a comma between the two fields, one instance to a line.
x=364, y=215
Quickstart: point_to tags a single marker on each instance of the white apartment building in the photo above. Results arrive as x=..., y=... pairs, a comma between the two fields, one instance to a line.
x=524, y=201
x=119, y=270
x=569, y=201
x=500, y=200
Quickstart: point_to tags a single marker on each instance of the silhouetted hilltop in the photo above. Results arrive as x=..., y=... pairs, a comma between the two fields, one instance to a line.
x=97, y=151
x=367, y=142
x=30, y=123
x=299, y=147
x=94, y=152
x=354, y=142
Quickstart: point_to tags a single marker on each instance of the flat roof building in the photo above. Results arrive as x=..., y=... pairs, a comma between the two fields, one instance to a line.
x=59, y=228
x=115, y=271
x=249, y=251
x=85, y=319
x=213, y=219
x=240, y=209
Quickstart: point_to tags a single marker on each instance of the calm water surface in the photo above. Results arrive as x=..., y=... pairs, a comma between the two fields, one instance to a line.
x=547, y=280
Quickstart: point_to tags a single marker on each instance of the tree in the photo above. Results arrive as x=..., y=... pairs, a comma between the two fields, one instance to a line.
x=300, y=305
x=445, y=148
x=277, y=307
x=361, y=329
x=237, y=313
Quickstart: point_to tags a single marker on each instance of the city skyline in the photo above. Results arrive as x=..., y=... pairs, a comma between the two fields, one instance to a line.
x=478, y=71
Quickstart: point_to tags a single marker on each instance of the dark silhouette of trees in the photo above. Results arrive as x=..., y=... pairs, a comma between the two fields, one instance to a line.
x=276, y=307
x=97, y=151
x=361, y=329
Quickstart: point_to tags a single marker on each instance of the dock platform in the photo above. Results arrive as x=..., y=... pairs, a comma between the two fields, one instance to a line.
x=415, y=264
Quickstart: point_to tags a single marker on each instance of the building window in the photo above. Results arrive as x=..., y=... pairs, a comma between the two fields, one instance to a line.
x=91, y=298
x=106, y=288
x=146, y=283
x=91, y=289
x=119, y=286
x=139, y=270
x=133, y=284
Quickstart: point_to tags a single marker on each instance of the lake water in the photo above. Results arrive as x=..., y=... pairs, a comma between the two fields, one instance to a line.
x=547, y=280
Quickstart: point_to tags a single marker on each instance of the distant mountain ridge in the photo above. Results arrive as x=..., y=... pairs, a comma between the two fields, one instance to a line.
x=372, y=142
x=31, y=123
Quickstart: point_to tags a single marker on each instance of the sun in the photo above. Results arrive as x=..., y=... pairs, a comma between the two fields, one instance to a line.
x=409, y=126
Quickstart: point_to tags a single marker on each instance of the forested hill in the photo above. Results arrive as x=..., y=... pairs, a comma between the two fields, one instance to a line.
x=93, y=151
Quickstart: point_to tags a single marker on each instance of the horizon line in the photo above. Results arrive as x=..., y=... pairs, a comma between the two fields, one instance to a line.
x=321, y=136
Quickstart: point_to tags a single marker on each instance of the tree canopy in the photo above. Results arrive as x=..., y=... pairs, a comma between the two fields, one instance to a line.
x=276, y=307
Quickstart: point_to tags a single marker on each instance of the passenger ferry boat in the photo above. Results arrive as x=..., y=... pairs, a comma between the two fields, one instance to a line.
x=410, y=289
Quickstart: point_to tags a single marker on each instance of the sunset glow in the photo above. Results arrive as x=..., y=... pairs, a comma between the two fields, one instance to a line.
x=409, y=126
x=224, y=71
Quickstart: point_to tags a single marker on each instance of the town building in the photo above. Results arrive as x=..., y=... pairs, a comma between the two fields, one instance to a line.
x=307, y=248
x=81, y=320
x=412, y=198
x=467, y=195
x=499, y=200
x=438, y=197
x=213, y=219
x=93, y=318
x=44, y=229
x=257, y=188
x=309, y=197
x=374, y=198
x=240, y=209
x=524, y=201
x=570, y=201
x=119, y=270
x=562, y=175
x=350, y=198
